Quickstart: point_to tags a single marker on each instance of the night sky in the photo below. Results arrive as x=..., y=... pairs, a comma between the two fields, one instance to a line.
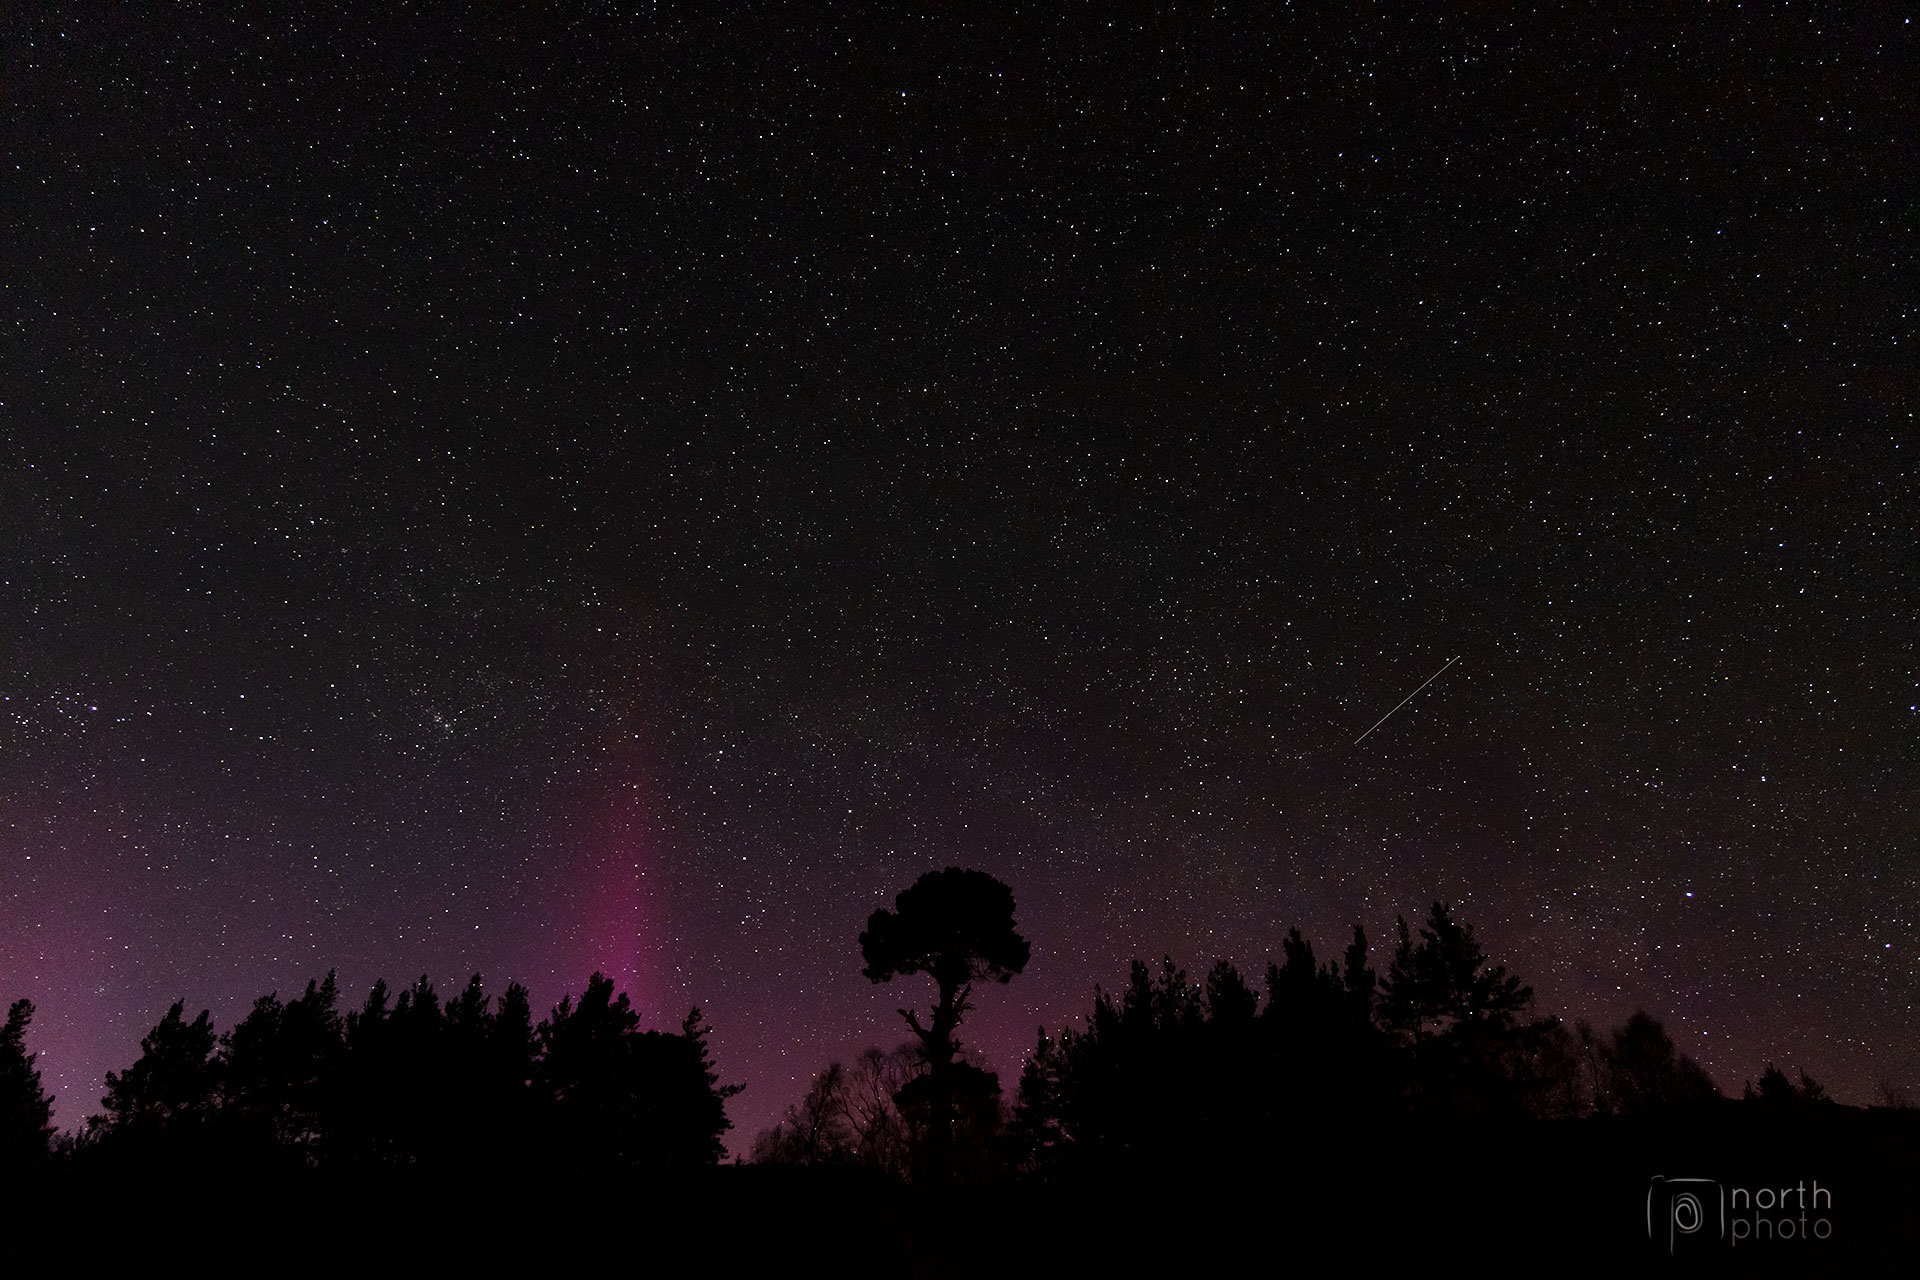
x=536, y=489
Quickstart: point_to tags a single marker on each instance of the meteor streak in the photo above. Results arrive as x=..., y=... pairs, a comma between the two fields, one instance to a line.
x=1409, y=698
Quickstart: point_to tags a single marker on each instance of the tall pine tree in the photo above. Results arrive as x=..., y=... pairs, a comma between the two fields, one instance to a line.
x=26, y=1113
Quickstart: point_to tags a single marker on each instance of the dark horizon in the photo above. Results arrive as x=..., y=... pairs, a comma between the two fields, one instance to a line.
x=1516, y=1141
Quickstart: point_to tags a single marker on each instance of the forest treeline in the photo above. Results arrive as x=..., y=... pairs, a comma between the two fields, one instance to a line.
x=1176, y=1072
x=1425, y=1105
x=400, y=1082
x=1403, y=1107
x=1167, y=1070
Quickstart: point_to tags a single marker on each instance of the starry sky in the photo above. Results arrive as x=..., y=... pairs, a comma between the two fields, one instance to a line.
x=536, y=489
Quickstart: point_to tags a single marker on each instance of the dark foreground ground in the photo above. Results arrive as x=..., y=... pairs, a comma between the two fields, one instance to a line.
x=1573, y=1199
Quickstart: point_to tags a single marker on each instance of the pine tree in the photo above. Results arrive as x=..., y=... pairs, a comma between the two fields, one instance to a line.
x=1037, y=1135
x=706, y=1109
x=172, y=1085
x=1645, y=1073
x=26, y=1113
x=1444, y=981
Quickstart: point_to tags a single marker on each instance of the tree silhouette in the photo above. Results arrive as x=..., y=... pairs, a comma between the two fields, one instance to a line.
x=1590, y=1068
x=1443, y=981
x=1776, y=1090
x=620, y=1097
x=368, y=1116
x=1358, y=979
x=1644, y=1073
x=415, y=1084
x=392, y=1095
x=1512, y=1071
x=957, y=927
x=1297, y=990
x=873, y=1082
x=173, y=1085
x=1133, y=1086
x=953, y=1120
x=1177, y=1073
x=683, y=1099
x=584, y=1071
x=817, y=1130
x=418, y=1065
x=1036, y=1135
x=26, y=1124
x=278, y=1069
x=849, y=1116
x=504, y=1087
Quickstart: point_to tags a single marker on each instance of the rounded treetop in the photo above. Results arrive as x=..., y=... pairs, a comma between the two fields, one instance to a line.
x=956, y=925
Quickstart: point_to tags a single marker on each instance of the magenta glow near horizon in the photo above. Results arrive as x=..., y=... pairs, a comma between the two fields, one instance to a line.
x=619, y=903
